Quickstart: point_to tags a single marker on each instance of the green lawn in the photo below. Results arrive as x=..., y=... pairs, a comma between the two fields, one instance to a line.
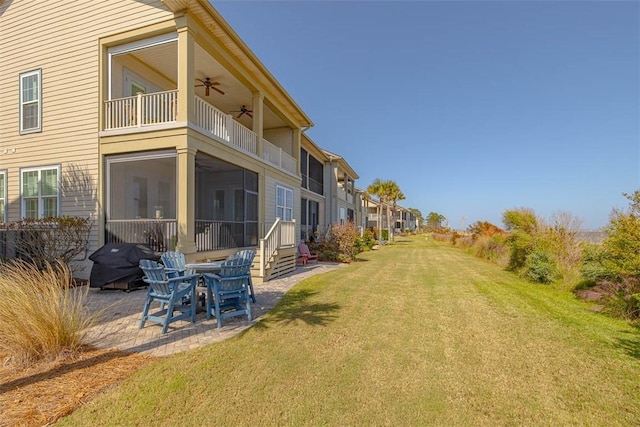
x=418, y=333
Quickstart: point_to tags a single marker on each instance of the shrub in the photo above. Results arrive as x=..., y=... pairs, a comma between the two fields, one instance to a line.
x=492, y=248
x=342, y=244
x=622, y=244
x=463, y=241
x=540, y=267
x=45, y=241
x=368, y=239
x=440, y=237
x=621, y=299
x=42, y=316
x=596, y=265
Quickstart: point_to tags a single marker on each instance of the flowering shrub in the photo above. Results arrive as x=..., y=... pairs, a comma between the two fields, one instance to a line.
x=342, y=243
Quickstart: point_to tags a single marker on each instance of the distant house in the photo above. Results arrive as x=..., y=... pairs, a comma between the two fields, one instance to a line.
x=340, y=182
x=155, y=119
x=328, y=194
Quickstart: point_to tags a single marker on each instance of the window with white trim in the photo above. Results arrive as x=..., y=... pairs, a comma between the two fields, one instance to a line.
x=3, y=196
x=40, y=192
x=31, y=101
x=284, y=203
x=343, y=215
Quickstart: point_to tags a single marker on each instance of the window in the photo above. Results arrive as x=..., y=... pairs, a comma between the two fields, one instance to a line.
x=343, y=215
x=30, y=101
x=3, y=196
x=304, y=167
x=315, y=175
x=284, y=203
x=303, y=212
x=40, y=198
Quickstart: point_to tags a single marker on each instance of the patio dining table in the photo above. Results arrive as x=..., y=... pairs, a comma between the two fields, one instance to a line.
x=203, y=267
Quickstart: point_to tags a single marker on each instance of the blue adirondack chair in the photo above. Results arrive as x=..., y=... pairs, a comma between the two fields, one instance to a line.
x=228, y=291
x=169, y=292
x=248, y=255
x=175, y=263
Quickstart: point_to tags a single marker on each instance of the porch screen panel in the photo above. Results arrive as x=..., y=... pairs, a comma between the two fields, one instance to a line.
x=142, y=188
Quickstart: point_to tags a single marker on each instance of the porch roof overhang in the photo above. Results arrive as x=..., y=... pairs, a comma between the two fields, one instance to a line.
x=230, y=40
x=313, y=148
x=342, y=162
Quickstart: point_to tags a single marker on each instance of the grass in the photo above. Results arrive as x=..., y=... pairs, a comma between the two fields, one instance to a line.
x=418, y=333
x=42, y=316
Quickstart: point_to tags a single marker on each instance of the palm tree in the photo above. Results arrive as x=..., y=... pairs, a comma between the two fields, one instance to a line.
x=389, y=194
x=377, y=189
x=394, y=196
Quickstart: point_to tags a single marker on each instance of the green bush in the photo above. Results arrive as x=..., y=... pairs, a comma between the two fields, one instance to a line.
x=540, y=267
x=520, y=246
x=596, y=265
x=622, y=298
x=622, y=244
x=42, y=315
x=368, y=239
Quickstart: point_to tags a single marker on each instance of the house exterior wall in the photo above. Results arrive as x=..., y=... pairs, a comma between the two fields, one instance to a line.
x=65, y=49
x=68, y=42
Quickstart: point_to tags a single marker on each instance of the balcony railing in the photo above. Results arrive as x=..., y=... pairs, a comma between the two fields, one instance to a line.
x=141, y=110
x=276, y=156
x=216, y=235
x=161, y=107
x=159, y=234
x=224, y=127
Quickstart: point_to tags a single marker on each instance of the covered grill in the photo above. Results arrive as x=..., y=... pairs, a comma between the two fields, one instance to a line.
x=115, y=266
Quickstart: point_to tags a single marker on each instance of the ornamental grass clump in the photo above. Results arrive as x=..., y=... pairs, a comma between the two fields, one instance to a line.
x=42, y=314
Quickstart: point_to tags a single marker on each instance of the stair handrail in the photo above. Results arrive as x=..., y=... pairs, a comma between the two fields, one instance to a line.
x=269, y=244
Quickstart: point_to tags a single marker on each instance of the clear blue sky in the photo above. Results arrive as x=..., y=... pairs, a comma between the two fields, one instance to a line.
x=472, y=107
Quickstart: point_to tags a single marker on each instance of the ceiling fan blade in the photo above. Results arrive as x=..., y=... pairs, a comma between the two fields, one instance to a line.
x=249, y=114
x=240, y=115
x=217, y=90
x=206, y=91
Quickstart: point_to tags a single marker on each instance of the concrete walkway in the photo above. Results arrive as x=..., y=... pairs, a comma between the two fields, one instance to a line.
x=121, y=311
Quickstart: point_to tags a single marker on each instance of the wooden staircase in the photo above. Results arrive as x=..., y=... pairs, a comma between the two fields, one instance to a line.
x=281, y=263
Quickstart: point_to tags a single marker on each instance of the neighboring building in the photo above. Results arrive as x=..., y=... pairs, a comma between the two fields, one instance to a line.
x=402, y=219
x=328, y=194
x=340, y=190
x=313, y=197
x=405, y=220
x=156, y=119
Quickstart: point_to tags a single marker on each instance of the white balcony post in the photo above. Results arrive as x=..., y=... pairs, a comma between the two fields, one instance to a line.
x=231, y=128
x=186, y=70
x=139, y=109
x=257, y=121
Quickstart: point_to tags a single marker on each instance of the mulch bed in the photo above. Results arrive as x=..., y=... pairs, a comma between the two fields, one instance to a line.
x=42, y=393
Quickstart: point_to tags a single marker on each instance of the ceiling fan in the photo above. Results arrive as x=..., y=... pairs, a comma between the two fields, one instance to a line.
x=243, y=110
x=208, y=84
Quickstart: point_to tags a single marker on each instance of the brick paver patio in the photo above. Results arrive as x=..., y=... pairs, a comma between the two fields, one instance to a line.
x=121, y=310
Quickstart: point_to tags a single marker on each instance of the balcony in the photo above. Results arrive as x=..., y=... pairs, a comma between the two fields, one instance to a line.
x=146, y=111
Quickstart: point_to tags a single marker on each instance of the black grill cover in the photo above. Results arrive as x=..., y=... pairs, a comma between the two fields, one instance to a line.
x=118, y=262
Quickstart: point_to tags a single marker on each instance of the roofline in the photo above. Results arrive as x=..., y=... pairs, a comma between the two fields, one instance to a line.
x=342, y=161
x=247, y=51
x=314, y=145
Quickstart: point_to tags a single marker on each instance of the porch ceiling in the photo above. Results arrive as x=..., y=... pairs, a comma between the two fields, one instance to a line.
x=164, y=59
